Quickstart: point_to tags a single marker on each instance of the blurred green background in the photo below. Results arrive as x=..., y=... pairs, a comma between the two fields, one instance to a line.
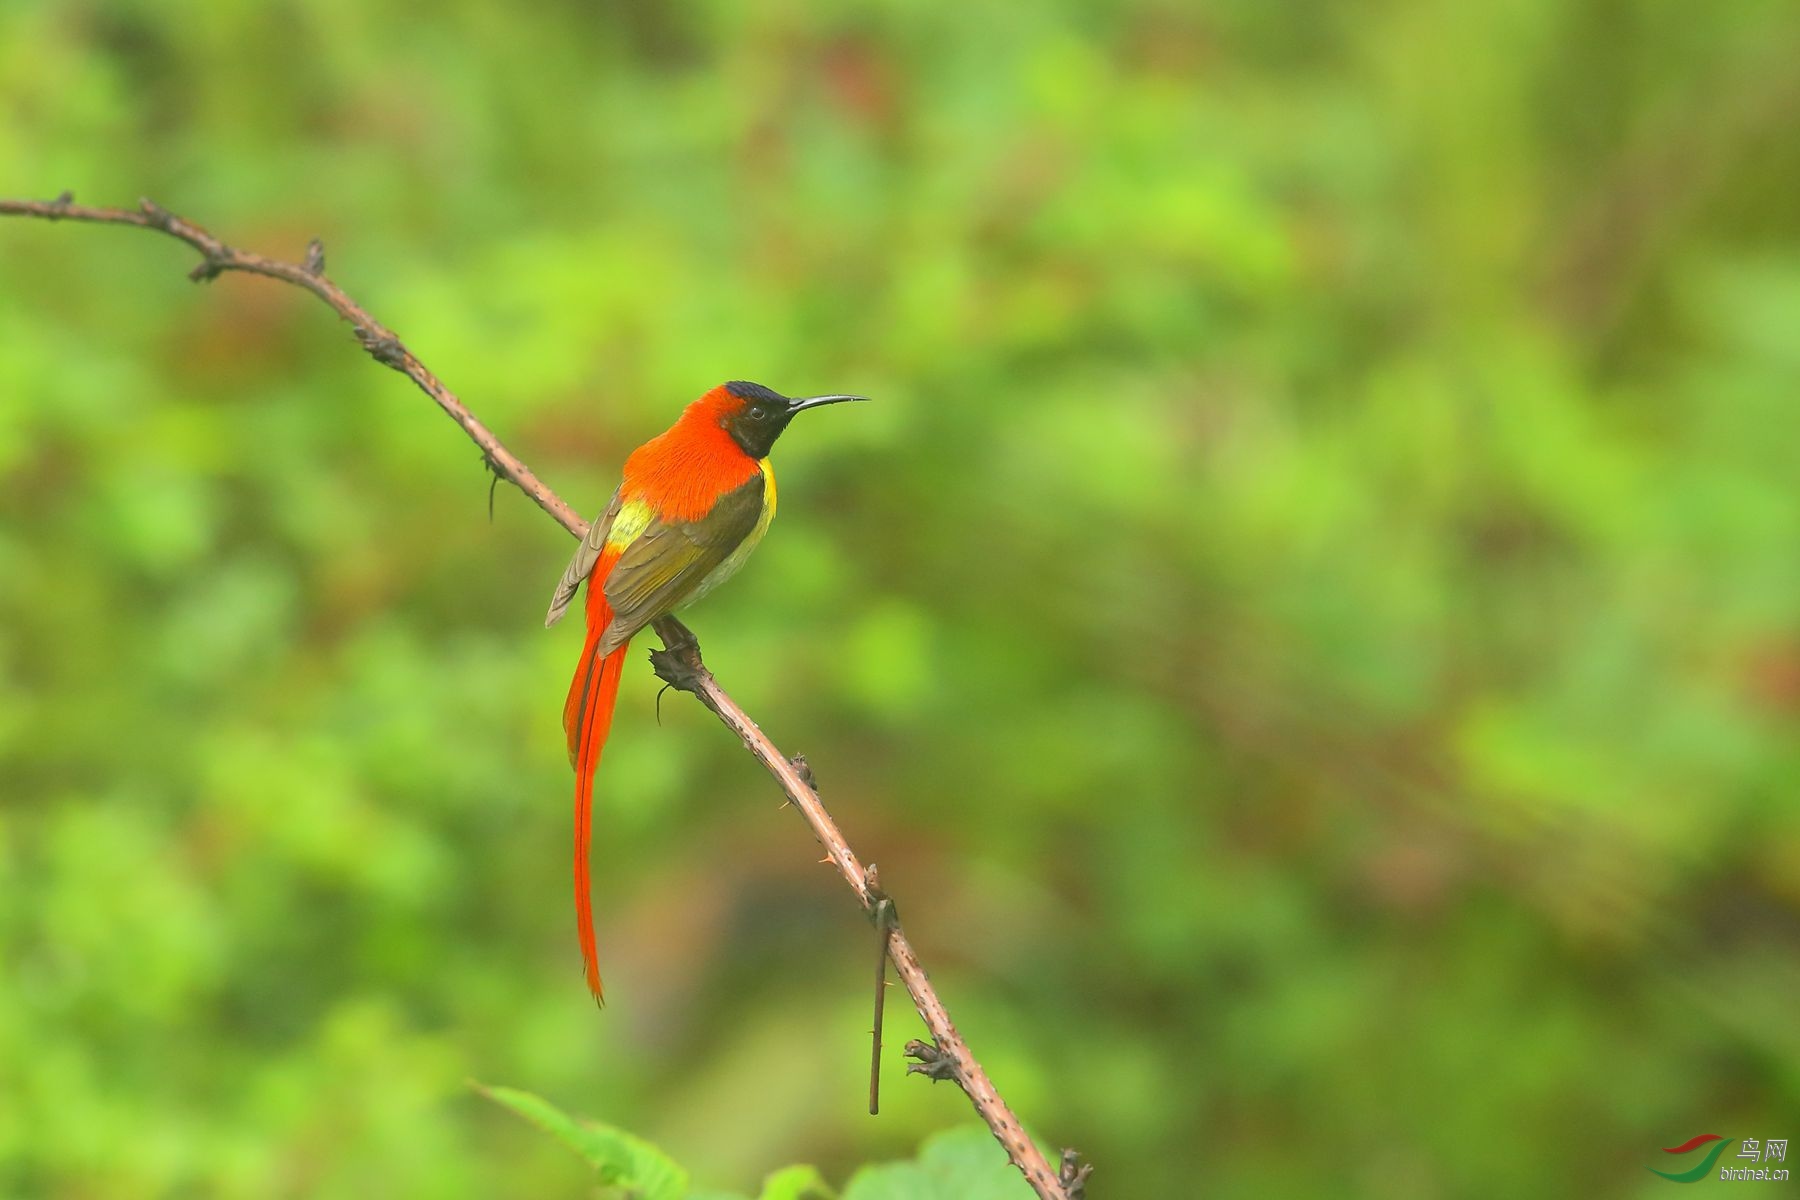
x=1310, y=631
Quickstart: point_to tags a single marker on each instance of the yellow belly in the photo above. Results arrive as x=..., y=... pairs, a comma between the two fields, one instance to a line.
x=736, y=559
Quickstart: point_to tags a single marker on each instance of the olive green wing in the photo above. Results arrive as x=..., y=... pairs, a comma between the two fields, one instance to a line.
x=586, y=555
x=666, y=562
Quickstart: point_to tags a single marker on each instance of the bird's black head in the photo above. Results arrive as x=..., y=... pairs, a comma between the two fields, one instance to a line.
x=759, y=414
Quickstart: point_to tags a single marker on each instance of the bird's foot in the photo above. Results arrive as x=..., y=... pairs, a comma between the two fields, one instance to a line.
x=678, y=663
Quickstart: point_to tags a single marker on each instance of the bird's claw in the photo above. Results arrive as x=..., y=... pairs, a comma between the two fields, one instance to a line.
x=678, y=663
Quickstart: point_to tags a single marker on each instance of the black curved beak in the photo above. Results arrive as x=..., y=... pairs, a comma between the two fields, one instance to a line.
x=805, y=402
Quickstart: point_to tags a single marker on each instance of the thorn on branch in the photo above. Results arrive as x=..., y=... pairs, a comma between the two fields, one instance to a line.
x=1074, y=1175
x=314, y=263
x=384, y=348
x=932, y=1062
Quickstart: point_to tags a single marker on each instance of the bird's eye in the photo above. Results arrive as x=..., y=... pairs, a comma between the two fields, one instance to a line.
x=758, y=413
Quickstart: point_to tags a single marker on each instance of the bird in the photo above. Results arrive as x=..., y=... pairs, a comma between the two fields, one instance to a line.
x=693, y=502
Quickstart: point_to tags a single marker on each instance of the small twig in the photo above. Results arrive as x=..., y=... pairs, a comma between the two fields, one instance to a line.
x=932, y=1062
x=1074, y=1175
x=678, y=662
x=886, y=920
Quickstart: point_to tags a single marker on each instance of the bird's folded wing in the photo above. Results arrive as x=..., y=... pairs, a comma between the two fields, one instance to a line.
x=669, y=559
x=586, y=555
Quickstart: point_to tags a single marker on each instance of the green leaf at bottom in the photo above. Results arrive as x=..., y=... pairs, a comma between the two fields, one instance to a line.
x=618, y=1158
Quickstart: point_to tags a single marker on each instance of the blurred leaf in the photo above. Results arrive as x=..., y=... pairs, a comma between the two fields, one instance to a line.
x=796, y=1183
x=958, y=1164
x=618, y=1158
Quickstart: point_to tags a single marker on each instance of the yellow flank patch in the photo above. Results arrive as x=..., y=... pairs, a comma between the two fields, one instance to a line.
x=729, y=567
x=631, y=522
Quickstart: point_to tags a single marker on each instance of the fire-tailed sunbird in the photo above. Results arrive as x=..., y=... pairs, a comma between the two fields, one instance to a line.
x=693, y=504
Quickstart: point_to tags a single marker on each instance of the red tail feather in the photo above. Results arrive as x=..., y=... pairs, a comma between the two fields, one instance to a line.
x=587, y=717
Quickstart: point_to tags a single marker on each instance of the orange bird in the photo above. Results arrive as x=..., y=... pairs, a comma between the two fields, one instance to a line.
x=693, y=504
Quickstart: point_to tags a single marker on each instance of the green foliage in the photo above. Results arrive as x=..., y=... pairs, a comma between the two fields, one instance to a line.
x=959, y=1164
x=796, y=1183
x=1310, y=628
x=621, y=1162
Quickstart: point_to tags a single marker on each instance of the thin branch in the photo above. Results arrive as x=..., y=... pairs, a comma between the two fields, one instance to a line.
x=678, y=663
x=380, y=341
